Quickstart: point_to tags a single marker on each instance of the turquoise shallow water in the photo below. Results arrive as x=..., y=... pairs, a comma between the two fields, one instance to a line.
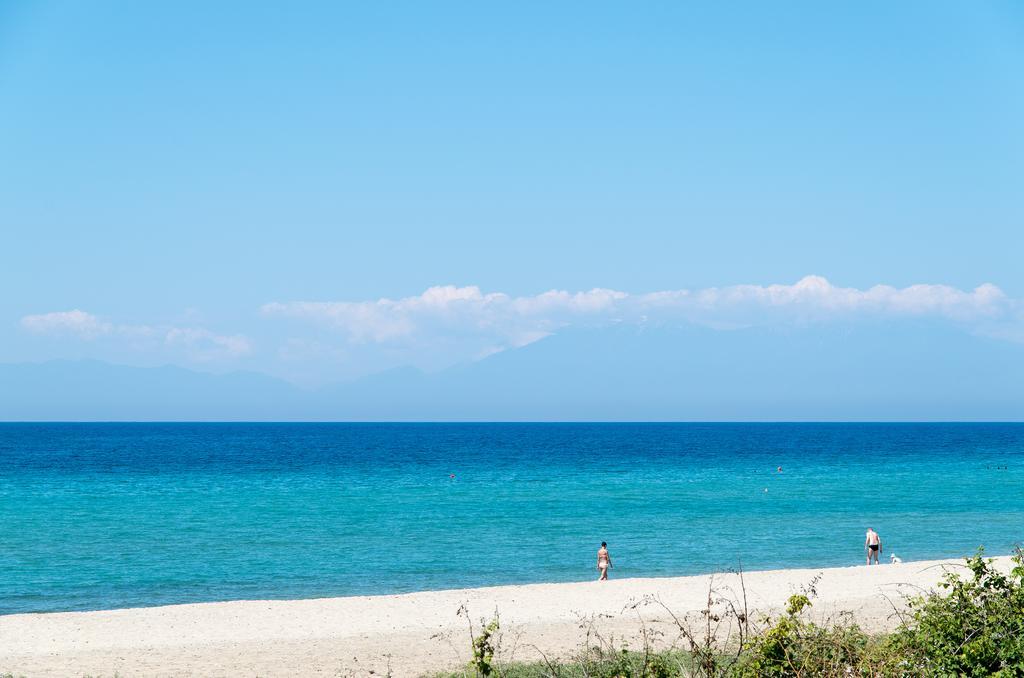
x=112, y=515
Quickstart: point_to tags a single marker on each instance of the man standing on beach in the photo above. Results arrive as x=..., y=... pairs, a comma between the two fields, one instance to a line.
x=873, y=545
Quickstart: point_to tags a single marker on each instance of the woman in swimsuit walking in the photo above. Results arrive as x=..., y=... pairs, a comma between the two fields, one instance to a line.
x=604, y=561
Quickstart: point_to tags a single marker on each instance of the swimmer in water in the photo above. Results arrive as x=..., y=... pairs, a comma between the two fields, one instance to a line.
x=604, y=561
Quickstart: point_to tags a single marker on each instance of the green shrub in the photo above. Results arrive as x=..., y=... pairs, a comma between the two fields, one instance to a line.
x=793, y=646
x=976, y=629
x=483, y=649
x=627, y=664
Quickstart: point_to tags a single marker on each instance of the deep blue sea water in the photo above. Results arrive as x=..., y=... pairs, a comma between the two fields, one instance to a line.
x=113, y=515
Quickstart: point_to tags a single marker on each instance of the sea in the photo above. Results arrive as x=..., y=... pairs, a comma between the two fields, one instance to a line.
x=100, y=516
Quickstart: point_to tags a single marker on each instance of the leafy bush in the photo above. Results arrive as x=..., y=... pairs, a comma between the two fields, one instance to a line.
x=976, y=629
x=594, y=664
x=628, y=664
x=483, y=649
x=795, y=647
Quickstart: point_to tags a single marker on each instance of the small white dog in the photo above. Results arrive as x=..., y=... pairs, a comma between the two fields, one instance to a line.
x=893, y=558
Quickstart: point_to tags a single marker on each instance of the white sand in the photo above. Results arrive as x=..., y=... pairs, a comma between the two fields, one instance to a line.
x=419, y=632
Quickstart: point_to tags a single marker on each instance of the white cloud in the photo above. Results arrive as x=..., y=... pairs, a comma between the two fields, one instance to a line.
x=76, y=322
x=455, y=309
x=448, y=324
x=815, y=298
x=519, y=320
x=200, y=343
x=205, y=345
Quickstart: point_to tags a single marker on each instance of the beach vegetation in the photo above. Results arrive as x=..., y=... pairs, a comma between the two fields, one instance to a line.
x=484, y=644
x=972, y=625
x=794, y=646
x=483, y=649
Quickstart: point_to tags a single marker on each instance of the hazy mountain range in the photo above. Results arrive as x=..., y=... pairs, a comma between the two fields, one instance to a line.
x=887, y=371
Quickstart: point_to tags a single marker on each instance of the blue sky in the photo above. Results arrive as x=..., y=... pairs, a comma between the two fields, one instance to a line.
x=184, y=176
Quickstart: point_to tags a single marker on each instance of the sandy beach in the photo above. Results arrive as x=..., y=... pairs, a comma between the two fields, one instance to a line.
x=417, y=633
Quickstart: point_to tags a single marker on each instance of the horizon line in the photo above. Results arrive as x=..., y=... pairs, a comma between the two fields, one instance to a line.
x=523, y=421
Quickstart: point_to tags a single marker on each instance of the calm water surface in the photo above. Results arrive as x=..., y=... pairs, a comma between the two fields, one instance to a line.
x=112, y=515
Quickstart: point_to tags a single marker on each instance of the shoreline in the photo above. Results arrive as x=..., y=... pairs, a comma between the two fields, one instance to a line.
x=420, y=632
x=489, y=587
